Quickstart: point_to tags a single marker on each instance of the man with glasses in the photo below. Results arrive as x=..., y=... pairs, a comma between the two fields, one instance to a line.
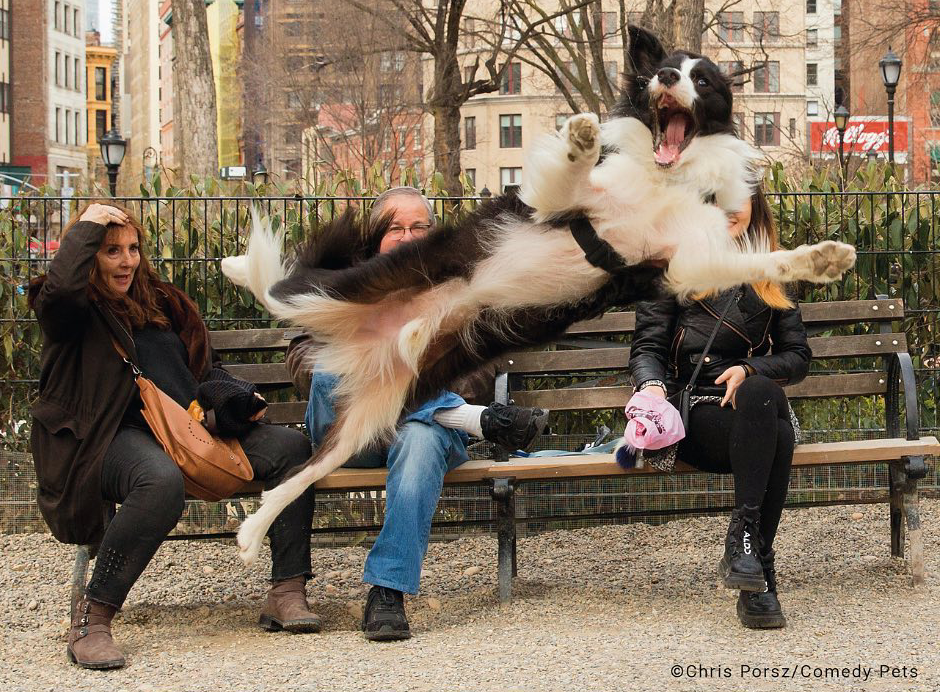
x=429, y=442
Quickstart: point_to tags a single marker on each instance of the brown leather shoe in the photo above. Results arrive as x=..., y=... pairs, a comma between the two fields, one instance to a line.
x=287, y=609
x=90, y=643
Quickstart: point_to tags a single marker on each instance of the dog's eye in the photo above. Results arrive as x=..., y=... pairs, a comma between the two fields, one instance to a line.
x=702, y=82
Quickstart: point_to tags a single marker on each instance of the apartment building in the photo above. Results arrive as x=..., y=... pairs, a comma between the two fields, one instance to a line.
x=782, y=52
x=99, y=99
x=48, y=68
x=140, y=116
x=6, y=139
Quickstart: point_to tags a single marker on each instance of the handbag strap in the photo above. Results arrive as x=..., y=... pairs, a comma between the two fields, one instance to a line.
x=708, y=344
x=125, y=358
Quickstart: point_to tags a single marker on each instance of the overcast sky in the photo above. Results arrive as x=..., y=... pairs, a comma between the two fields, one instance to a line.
x=104, y=21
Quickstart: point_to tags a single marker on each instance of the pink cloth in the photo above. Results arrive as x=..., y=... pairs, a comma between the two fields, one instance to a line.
x=652, y=422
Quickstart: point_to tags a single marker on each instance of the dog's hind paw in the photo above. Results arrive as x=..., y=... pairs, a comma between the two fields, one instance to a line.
x=584, y=138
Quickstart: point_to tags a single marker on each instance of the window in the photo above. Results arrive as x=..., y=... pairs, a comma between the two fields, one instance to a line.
x=78, y=75
x=58, y=119
x=792, y=129
x=471, y=174
x=510, y=131
x=733, y=67
x=4, y=97
x=58, y=68
x=509, y=176
x=470, y=133
x=812, y=74
x=560, y=120
x=767, y=78
x=391, y=94
x=293, y=100
x=511, y=82
x=837, y=34
x=731, y=26
x=812, y=37
x=766, y=26
x=810, y=6
x=101, y=123
x=570, y=67
x=766, y=131
x=76, y=26
x=5, y=25
x=469, y=31
x=935, y=108
x=78, y=127
x=55, y=16
x=101, y=91
x=68, y=71
x=392, y=61
x=610, y=25
x=66, y=14
x=812, y=108
x=468, y=72
x=68, y=124
x=610, y=70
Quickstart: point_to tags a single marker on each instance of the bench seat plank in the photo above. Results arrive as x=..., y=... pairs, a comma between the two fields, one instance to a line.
x=585, y=466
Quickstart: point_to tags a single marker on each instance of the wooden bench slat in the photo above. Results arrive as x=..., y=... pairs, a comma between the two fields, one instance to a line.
x=260, y=373
x=286, y=412
x=616, y=358
x=240, y=340
x=583, y=398
x=584, y=466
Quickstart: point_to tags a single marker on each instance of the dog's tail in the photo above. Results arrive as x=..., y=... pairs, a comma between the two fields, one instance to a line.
x=261, y=266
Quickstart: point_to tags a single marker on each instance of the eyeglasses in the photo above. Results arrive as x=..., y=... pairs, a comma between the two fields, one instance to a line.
x=418, y=230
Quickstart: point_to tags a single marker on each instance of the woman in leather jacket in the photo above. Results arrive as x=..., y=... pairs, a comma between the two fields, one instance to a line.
x=740, y=421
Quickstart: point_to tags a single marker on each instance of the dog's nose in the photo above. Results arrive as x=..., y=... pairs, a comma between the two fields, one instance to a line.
x=668, y=76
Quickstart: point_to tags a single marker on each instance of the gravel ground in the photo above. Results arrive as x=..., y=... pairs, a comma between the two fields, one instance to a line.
x=610, y=608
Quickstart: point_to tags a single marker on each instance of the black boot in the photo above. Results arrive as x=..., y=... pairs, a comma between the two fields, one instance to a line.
x=513, y=427
x=740, y=566
x=384, y=617
x=761, y=609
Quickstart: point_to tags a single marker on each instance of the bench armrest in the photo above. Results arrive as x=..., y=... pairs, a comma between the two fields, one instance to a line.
x=901, y=371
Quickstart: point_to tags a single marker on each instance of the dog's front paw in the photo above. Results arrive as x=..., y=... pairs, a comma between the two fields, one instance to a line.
x=819, y=263
x=584, y=137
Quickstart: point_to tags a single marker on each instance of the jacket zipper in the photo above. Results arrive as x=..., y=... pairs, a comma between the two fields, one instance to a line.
x=750, y=344
x=676, y=345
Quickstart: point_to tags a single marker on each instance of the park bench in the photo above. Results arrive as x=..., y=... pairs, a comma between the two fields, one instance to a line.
x=597, y=347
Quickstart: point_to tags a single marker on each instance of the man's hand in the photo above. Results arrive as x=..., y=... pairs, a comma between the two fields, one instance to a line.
x=734, y=376
x=105, y=214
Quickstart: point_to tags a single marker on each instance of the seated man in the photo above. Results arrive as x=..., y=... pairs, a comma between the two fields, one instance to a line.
x=430, y=441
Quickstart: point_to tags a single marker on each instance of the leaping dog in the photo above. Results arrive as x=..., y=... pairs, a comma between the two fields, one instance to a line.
x=401, y=326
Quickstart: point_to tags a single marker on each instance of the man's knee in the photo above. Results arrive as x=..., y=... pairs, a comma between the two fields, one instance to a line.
x=420, y=447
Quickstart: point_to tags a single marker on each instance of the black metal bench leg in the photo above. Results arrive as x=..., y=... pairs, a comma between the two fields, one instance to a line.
x=503, y=493
x=896, y=479
x=79, y=576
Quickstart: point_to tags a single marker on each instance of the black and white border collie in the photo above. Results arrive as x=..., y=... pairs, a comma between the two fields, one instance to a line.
x=401, y=326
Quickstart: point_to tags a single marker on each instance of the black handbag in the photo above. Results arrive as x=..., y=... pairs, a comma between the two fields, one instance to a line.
x=684, y=395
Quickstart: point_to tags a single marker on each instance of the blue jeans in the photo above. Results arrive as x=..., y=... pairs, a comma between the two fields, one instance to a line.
x=422, y=452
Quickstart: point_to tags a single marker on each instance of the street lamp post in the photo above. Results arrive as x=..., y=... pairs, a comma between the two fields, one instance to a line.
x=259, y=176
x=890, y=66
x=113, y=147
x=842, y=122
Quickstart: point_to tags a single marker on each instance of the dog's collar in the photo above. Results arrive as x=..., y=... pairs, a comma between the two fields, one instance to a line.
x=596, y=251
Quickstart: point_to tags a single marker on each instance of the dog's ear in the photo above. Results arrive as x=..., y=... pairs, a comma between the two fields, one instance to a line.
x=646, y=52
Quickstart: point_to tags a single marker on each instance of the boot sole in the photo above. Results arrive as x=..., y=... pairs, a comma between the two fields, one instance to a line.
x=760, y=622
x=95, y=665
x=386, y=633
x=738, y=580
x=294, y=626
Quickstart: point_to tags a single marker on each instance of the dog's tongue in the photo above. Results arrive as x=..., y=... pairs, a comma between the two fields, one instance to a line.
x=668, y=151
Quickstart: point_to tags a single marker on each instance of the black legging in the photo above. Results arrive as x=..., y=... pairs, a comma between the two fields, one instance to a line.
x=753, y=441
x=138, y=474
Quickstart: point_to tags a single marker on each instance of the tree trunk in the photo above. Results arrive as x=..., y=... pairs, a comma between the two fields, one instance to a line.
x=690, y=16
x=194, y=107
x=447, y=146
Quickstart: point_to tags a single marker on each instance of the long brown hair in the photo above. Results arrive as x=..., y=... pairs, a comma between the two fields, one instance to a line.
x=141, y=305
x=763, y=233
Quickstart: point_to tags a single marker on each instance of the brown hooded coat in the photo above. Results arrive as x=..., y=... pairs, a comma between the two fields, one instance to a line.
x=84, y=385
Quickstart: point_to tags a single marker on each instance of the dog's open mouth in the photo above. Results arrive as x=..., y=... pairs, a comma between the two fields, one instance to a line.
x=673, y=130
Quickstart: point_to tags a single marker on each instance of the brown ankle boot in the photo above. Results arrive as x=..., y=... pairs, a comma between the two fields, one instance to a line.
x=287, y=609
x=90, y=644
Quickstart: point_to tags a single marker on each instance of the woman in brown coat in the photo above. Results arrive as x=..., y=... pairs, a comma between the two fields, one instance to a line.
x=92, y=447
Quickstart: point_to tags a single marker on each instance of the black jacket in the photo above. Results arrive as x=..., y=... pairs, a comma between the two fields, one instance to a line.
x=670, y=338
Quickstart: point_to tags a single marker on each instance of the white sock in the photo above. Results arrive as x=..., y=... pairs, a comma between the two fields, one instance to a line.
x=465, y=417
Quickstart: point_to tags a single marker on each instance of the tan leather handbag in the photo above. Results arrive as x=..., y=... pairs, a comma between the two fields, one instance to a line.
x=213, y=468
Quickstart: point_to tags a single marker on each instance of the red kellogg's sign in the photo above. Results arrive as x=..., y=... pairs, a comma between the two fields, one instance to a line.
x=861, y=136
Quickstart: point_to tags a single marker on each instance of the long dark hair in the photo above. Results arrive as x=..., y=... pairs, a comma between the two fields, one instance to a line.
x=141, y=305
x=763, y=233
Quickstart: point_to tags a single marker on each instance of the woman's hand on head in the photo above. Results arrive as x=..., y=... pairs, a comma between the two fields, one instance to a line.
x=105, y=214
x=733, y=376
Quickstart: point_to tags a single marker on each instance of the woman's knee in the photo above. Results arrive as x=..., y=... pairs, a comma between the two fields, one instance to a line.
x=759, y=391
x=161, y=488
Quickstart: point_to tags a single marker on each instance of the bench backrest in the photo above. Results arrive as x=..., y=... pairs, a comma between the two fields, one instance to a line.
x=598, y=346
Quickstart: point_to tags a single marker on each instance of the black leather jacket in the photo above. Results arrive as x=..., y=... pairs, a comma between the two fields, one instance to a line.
x=670, y=338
